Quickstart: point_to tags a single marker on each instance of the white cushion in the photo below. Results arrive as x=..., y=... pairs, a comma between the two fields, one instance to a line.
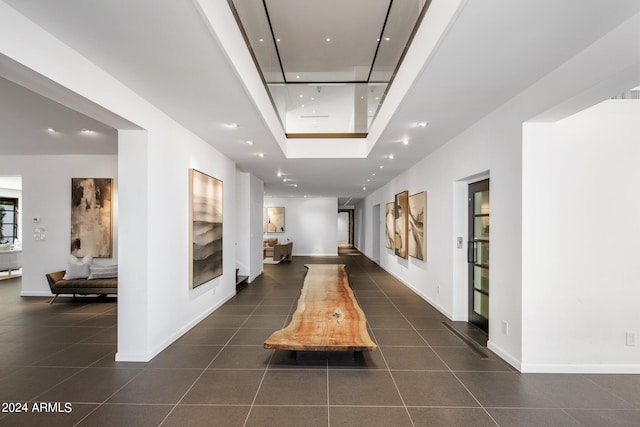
x=78, y=268
x=103, y=271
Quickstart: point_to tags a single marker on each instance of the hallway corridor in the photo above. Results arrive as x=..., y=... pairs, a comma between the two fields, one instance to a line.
x=218, y=374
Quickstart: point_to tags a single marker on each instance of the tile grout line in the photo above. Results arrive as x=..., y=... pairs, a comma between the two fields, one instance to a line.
x=385, y=359
x=109, y=397
x=439, y=357
x=255, y=396
x=209, y=364
x=328, y=398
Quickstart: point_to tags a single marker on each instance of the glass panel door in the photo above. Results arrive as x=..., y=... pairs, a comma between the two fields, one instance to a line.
x=478, y=254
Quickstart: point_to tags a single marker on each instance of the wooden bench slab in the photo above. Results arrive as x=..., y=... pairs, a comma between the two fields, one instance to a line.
x=328, y=317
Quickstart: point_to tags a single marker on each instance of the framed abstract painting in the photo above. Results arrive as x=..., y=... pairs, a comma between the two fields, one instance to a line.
x=389, y=225
x=401, y=224
x=205, y=228
x=417, y=226
x=92, y=217
x=275, y=220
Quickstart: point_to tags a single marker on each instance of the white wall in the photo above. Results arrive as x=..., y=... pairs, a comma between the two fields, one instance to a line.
x=256, y=190
x=580, y=241
x=243, y=220
x=493, y=147
x=46, y=192
x=311, y=224
x=343, y=227
x=249, y=202
x=155, y=304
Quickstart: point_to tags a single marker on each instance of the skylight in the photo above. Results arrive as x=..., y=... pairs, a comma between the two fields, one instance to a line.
x=327, y=66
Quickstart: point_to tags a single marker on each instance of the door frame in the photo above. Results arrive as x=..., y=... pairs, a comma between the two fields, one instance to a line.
x=460, y=311
x=474, y=318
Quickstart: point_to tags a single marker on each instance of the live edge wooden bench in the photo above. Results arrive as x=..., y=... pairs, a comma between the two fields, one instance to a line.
x=328, y=317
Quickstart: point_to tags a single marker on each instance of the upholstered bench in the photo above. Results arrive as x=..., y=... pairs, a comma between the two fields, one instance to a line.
x=80, y=286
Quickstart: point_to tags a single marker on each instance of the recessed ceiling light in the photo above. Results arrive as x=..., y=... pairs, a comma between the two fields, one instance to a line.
x=295, y=185
x=297, y=77
x=422, y=124
x=373, y=174
x=361, y=97
x=364, y=188
x=390, y=156
x=261, y=40
x=260, y=155
x=368, y=179
x=312, y=98
x=328, y=39
x=405, y=141
x=377, y=97
x=378, y=39
x=278, y=40
x=381, y=167
x=302, y=105
x=232, y=125
x=285, y=180
x=300, y=95
x=387, y=39
x=250, y=142
x=51, y=130
x=279, y=174
x=87, y=131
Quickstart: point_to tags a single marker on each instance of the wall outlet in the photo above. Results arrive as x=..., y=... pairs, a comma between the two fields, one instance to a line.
x=631, y=339
x=505, y=327
x=459, y=242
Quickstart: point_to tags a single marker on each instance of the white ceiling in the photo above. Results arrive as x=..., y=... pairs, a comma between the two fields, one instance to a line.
x=25, y=118
x=165, y=52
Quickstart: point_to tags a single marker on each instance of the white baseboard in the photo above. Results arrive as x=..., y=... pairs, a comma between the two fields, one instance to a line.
x=36, y=294
x=437, y=306
x=317, y=254
x=174, y=337
x=504, y=355
x=581, y=368
x=131, y=357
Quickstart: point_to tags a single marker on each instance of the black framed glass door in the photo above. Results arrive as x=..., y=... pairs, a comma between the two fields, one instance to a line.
x=478, y=254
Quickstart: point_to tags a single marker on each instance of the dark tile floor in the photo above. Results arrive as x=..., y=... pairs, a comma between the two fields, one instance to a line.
x=218, y=374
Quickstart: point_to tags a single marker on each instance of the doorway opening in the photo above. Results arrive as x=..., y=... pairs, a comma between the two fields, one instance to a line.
x=345, y=228
x=10, y=227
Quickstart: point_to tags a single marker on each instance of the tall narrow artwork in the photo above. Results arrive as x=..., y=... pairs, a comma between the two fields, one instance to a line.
x=275, y=220
x=92, y=217
x=389, y=225
x=417, y=225
x=205, y=228
x=401, y=224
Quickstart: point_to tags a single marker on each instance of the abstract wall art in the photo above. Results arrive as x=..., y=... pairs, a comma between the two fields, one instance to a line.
x=417, y=225
x=92, y=217
x=205, y=228
x=389, y=225
x=275, y=220
x=401, y=224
